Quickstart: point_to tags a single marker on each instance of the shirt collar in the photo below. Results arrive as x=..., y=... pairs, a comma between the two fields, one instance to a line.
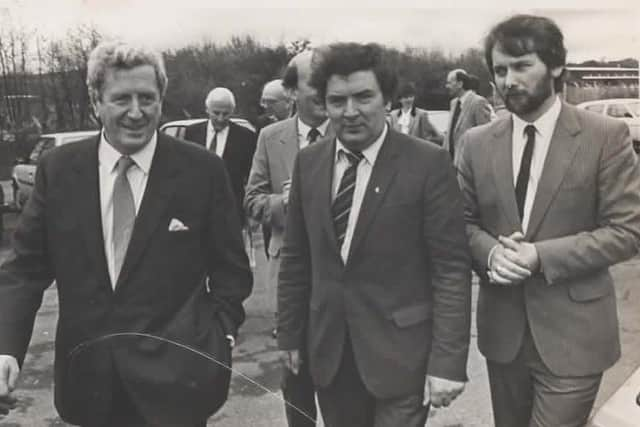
x=109, y=156
x=545, y=124
x=211, y=131
x=303, y=128
x=371, y=152
x=464, y=96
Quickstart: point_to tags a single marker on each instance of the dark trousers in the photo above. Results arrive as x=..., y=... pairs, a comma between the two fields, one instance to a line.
x=299, y=393
x=347, y=403
x=524, y=393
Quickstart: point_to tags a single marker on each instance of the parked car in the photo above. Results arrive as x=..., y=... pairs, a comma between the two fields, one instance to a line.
x=627, y=109
x=177, y=128
x=24, y=172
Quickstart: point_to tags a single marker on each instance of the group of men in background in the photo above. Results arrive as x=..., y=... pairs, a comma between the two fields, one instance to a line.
x=374, y=234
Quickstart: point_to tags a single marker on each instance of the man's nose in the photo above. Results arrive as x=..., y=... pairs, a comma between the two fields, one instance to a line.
x=135, y=112
x=350, y=109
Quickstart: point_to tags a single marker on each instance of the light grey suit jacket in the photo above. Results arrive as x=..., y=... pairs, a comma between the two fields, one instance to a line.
x=474, y=111
x=585, y=218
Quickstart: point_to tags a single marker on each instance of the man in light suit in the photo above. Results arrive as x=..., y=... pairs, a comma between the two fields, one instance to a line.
x=235, y=144
x=139, y=230
x=375, y=257
x=467, y=110
x=410, y=120
x=276, y=102
x=552, y=201
x=267, y=199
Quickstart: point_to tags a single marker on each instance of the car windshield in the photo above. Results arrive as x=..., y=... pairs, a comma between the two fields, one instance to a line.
x=42, y=145
x=635, y=108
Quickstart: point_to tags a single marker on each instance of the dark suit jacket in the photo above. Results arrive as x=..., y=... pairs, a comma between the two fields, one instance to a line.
x=584, y=219
x=404, y=294
x=237, y=155
x=419, y=125
x=160, y=290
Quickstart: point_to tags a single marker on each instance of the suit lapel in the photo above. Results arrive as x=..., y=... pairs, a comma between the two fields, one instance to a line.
x=289, y=141
x=562, y=150
x=160, y=187
x=384, y=170
x=503, y=172
x=87, y=198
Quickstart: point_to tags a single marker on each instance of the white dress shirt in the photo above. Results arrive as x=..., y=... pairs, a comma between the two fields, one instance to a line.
x=404, y=120
x=303, y=132
x=137, y=175
x=545, y=126
x=363, y=173
x=221, y=138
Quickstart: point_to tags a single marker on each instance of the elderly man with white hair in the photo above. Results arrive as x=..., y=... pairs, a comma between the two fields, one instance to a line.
x=234, y=143
x=276, y=101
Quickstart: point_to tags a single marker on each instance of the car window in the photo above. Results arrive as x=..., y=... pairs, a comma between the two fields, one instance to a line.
x=175, y=131
x=618, y=111
x=42, y=145
x=596, y=108
x=68, y=139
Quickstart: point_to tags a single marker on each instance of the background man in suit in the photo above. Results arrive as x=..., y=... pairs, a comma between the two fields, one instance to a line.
x=276, y=102
x=467, y=110
x=267, y=198
x=375, y=256
x=128, y=224
x=411, y=120
x=552, y=196
x=234, y=143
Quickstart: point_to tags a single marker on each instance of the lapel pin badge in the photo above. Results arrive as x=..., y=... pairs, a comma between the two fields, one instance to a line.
x=377, y=189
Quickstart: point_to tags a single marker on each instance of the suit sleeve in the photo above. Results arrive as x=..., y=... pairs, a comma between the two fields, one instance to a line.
x=261, y=202
x=480, y=242
x=26, y=273
x=482, y=112
x=229, y=271
x=451, y=272
x=617, y=235
x=294, y=281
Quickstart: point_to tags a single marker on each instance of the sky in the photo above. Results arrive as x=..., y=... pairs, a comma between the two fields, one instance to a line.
x=591, y=31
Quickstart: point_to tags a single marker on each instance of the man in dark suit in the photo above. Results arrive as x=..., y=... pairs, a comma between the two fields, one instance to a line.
x=552, y=201
x=140, y=233
x=375, y=257
x=467, y=110
x=235, y=144
x=268, y=197
x=411, y=120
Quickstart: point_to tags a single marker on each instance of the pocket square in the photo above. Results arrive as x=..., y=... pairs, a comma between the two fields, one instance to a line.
x=177, y=225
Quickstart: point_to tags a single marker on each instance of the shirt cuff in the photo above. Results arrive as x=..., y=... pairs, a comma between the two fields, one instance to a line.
x=232, y=340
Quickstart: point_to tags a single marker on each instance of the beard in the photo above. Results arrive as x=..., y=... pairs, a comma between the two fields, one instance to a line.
x=523, y=102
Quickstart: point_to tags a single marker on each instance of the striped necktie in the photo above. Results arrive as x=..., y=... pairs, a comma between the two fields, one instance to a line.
x=341, y=205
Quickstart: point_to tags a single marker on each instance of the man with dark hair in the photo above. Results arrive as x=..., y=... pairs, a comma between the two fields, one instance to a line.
x=375, y=257
x=410, y=120
x=552, y=195
x=467, y=110
x=267, y=201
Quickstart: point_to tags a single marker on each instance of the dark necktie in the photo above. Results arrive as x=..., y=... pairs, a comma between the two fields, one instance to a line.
x=525, y=169
x=454, y=121
x=214, y=142
x=341, y=205
x=313, y=135
x=124, y=213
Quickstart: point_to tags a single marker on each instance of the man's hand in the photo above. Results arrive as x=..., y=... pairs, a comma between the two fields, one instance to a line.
x=291, y=360
x=440, y=391
x=507, y=267
x=526, y=252
x=286, y=187
x=9, y=371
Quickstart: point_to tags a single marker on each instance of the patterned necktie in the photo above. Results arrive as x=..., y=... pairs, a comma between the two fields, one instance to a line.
x=525, y=169
x=124, y=213
x=341, y=205
x=313, y=135
x=454, y=121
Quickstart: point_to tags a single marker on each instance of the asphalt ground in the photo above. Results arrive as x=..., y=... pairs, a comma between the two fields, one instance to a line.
x=256, y=358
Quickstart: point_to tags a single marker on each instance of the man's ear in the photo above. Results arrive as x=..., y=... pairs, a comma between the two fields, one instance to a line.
x=557, y=71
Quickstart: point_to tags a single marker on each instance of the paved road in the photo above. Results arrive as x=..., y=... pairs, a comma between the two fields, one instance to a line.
x=256, y=357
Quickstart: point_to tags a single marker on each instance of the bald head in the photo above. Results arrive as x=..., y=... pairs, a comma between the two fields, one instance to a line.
x=275, y=100
x=220, y=104
x=296, y=79
x=457, y=82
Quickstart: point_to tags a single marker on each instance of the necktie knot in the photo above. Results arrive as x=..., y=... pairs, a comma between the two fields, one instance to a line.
x=313, y=135
x=530, y=131
x=354, y=156
x=123, y=164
